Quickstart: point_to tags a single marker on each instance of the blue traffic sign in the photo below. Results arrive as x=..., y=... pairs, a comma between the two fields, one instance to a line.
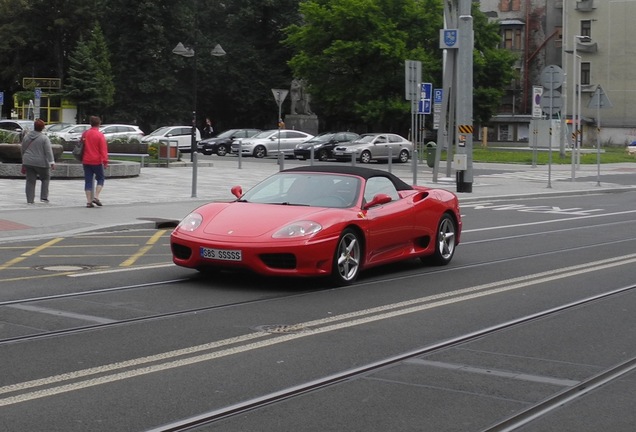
x=1, y=98
x=424, y=107
x=427, y=90
x=448, y=39
x=438, y=95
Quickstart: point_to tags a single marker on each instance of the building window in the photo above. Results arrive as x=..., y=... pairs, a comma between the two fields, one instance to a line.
x=586, y=73
x=559, y=37
x=512, y=39
x=504, y=132
x=586, y=28
x=509, y=5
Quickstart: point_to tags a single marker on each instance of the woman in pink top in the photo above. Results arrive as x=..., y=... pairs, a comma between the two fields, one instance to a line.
x=94, y=160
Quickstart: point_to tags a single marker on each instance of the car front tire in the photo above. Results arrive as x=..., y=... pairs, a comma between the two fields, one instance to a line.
x=260, y=152
x=323, y=155
x=347, y=258
x=403, y=157
x=365, y=157
x=445, y=240
x=221, y=150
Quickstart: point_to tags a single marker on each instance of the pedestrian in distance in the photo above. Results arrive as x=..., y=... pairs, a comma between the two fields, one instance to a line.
x=38, y=161
x=94, y=161
x=208, y=130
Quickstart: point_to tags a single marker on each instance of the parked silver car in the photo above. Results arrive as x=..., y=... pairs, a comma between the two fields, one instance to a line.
x=270, y=142
x=181, y=134
x=376, y=146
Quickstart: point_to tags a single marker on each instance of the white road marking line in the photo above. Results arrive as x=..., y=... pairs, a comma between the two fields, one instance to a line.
x=329, y=324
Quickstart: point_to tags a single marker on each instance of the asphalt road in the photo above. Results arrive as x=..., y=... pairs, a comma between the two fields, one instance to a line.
x=100, y=332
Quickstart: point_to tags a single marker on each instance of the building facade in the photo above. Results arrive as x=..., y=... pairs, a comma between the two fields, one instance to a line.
x=601, y=31
x=532, y=29
x=595, y=33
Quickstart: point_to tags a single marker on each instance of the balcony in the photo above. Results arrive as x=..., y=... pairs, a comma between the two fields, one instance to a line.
x=588, y=88
x=585, y=5
x=586, y=46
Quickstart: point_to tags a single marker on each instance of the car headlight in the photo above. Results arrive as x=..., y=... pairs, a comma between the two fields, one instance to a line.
x=298, y=229
x=191, y=222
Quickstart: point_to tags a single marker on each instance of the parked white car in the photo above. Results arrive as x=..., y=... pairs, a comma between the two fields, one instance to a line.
x=181, y=134
x=70, y=133
x=113, y=131
x=270, y=142
x=56, y=127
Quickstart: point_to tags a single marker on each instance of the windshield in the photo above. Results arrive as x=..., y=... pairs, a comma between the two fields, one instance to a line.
x=320, y=138
x=306, y=189
x=160, y=132
x=365, y=139
x=226, y=134
x=264, y=134
x=67, y=128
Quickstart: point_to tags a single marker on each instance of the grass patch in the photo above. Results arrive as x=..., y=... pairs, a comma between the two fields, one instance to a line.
x=608, y=155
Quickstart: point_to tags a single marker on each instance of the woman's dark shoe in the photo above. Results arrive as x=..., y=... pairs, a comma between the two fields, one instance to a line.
x=89, y=205
x=97, y=201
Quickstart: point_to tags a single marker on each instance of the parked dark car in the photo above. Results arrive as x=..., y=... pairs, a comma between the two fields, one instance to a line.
x=323, y=145
x=222, y=143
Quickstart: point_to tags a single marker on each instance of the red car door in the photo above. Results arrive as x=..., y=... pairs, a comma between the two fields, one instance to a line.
x=389, y=227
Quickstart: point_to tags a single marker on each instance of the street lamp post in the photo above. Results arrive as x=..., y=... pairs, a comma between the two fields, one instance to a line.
x=184, y=51
x=576, y=102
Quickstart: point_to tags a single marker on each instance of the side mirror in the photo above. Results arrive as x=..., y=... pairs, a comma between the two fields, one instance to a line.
x=379, y=199
x=237, y=191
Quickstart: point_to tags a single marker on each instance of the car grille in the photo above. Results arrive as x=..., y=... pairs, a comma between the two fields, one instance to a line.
x=279, y=261
x=180, y=251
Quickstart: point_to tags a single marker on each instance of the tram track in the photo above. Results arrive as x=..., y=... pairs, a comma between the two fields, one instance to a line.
x=511, y=423
x=188, y=311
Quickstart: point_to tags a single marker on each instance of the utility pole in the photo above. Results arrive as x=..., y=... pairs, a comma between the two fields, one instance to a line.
x=460, y=78
x=465, y=98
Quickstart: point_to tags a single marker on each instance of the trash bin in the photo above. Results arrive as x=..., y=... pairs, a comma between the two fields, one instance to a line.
x=431, y=149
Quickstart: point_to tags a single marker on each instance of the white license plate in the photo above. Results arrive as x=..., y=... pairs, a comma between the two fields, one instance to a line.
x=338, y=153
x=221, y=254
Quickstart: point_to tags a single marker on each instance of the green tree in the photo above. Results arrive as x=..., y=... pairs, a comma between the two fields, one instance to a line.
x=353, y=51
x=235, y=90
x=35, y=37
x=493, y=68
x=90, y=81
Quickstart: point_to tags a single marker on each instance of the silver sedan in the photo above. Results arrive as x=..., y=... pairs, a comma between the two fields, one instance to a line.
x=376, y=146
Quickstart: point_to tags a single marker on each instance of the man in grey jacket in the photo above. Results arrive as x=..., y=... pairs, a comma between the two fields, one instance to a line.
x=37, y=158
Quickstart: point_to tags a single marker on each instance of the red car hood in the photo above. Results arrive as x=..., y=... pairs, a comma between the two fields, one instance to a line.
x=239, y=219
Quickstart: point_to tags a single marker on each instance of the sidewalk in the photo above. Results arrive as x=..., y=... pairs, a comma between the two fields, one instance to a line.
x=164, y=195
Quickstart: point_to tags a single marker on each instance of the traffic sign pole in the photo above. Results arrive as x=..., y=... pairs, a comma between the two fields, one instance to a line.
x=279, y=96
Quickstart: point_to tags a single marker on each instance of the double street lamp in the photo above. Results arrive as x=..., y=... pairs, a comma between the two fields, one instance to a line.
x=576, y=103
x=184, y=51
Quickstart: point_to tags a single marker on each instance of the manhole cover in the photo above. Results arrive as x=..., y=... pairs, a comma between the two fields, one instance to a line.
x=63, y=268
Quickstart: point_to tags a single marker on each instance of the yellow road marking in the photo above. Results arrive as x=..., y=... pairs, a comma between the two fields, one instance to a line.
x=142, y=251
x=29, y=253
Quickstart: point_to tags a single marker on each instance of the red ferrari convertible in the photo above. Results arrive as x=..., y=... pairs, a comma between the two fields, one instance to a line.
x=320, y=221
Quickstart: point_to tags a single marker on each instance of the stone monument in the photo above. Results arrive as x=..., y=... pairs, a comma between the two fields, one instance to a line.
x=301, y=117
